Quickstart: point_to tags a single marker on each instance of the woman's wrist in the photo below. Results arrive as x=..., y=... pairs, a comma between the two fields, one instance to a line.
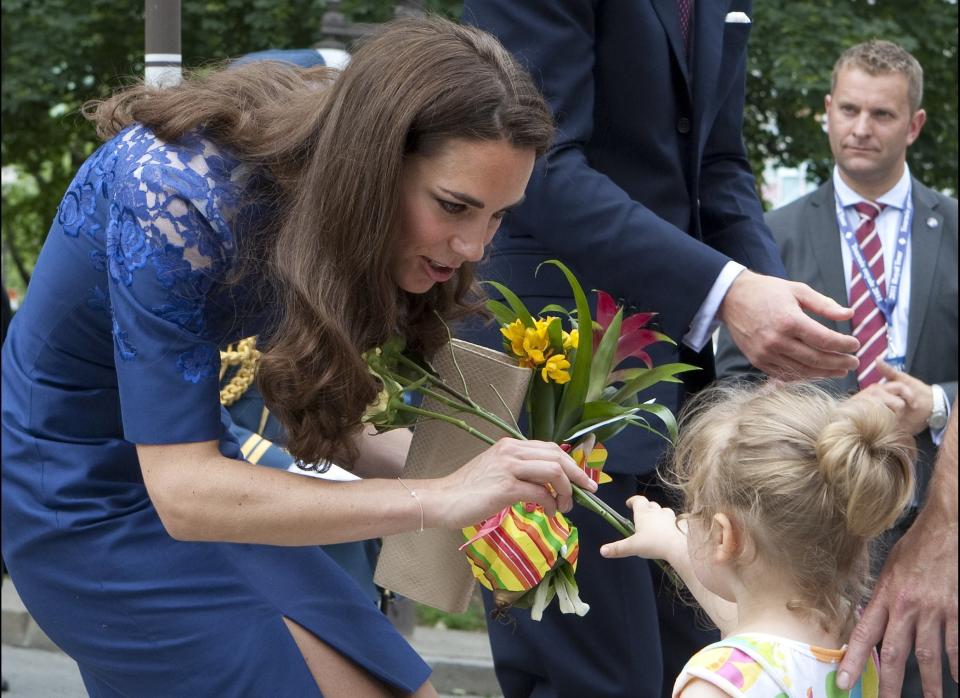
x=433, y=499
x=416, y=497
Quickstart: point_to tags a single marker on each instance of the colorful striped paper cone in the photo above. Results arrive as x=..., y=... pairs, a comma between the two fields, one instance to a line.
x=516, y=548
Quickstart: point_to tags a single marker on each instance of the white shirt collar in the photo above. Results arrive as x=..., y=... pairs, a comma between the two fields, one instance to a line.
x=895, y=197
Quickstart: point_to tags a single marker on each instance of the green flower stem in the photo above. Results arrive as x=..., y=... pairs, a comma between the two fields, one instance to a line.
x=470, y=407
x=593, y=503
x=475, y=410
x=459, y=423
x=587, y=500
x=437, y=381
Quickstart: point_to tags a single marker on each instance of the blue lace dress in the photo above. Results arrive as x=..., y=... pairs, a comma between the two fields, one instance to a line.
x=117, y=343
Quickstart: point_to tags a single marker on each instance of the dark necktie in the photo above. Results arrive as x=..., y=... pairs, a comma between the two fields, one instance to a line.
x=685, y=9
x=869, y=324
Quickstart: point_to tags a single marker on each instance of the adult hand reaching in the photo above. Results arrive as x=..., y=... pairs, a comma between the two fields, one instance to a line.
x=916, y=596
x=766, y=320
x=916, y=395
x=915, y=599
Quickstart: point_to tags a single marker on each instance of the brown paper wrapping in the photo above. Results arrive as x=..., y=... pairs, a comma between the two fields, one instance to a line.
x=428, y=567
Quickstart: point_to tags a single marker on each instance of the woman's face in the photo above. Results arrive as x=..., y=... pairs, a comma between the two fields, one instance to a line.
x=451, y=204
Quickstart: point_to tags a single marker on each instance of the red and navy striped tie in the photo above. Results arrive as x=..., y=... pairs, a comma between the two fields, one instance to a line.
x=869, y=324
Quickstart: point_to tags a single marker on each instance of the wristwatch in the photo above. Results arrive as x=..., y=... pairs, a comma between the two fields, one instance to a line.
x=938, y=415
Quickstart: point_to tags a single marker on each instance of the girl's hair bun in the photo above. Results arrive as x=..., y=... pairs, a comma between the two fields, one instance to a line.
x=867, y=462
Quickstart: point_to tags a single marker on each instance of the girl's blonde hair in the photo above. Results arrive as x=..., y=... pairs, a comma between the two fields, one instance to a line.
x=810, y=478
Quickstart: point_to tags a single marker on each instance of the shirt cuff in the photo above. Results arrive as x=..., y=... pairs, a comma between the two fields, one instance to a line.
x=705, y=321
x=941, y=395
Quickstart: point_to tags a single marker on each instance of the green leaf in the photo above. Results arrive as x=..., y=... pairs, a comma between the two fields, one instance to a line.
x=606, y=433
x=592, y=425
x=555, y=335
x=643, y=378
x=603, y=359
x=519, y=309
x=602, y=409
x=554, y=308
x=543, y=408
x=504, y=315
x=665, y=416
x=575, y=392
x=595, y=414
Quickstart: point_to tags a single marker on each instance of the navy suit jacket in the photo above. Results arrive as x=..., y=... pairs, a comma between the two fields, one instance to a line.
x=646, y=192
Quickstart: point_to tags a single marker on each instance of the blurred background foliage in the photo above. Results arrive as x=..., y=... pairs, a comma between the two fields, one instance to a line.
x=59, y=54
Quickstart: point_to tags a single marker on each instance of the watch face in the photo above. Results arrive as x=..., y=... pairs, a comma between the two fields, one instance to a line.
x=937, y=421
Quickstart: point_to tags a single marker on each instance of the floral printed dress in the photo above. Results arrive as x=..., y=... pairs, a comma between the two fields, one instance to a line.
x=754, y=665
x=117, y=344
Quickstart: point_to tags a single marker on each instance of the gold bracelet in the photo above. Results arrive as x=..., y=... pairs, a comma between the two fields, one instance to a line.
x=413, y=493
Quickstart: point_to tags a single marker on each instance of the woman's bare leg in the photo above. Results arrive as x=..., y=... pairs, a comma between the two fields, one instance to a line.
x=337, y=676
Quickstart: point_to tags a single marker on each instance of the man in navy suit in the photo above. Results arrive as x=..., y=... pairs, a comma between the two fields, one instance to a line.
x=647, y=194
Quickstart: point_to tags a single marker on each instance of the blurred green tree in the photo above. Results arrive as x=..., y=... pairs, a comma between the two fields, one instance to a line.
x=59, y=54
x=793, y=46
x=56, y=55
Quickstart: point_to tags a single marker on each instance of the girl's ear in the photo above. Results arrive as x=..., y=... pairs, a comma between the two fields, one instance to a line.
x=724, y=539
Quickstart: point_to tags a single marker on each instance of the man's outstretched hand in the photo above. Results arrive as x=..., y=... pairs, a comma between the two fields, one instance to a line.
x=766, y=320
x=914, y=605
x=914, y=608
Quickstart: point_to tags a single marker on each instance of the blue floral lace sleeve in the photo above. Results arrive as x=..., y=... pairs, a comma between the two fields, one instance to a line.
x=168, y=246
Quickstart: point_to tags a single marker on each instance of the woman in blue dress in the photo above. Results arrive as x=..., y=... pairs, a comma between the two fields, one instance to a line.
x=323, y=215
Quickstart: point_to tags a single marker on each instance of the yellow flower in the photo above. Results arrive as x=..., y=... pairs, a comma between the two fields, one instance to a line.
x=556, y=369
x=515, y=332
x=532, y=344
x=543, y=325
x=571, y=339
x=536, y=343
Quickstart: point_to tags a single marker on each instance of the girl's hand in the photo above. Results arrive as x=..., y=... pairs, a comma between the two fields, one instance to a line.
x=508, y=472
x=657, y=536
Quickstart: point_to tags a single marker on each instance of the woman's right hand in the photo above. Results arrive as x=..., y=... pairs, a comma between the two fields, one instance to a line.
x=508, y=472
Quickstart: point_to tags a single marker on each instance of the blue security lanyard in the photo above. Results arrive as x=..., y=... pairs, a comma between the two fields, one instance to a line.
x=885, y=305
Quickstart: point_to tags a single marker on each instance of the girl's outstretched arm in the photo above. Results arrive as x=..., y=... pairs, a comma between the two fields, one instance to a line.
x=659, y=536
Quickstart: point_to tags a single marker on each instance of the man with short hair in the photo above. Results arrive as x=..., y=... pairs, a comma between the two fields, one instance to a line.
x=874, y=238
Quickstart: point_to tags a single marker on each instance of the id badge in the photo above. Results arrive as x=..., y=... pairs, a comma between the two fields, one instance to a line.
x=898, y=362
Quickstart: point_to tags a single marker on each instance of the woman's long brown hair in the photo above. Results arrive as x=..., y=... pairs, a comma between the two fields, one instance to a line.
x=330, y=150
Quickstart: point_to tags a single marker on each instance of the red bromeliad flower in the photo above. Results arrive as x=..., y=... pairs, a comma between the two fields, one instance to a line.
x=634, y=336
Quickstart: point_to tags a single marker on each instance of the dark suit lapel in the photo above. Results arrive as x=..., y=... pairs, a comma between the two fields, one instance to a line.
x=707, y=45
x=670, y=19
x=824, y=236
x=925, y=238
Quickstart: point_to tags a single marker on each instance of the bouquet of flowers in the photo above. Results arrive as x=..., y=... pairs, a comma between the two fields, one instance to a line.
x=579, y=397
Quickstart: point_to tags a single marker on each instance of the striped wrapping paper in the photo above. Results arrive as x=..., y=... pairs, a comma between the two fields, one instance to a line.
x=515, y=549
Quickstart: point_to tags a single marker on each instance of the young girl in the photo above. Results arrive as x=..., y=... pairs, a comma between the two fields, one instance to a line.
x=783, y=487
